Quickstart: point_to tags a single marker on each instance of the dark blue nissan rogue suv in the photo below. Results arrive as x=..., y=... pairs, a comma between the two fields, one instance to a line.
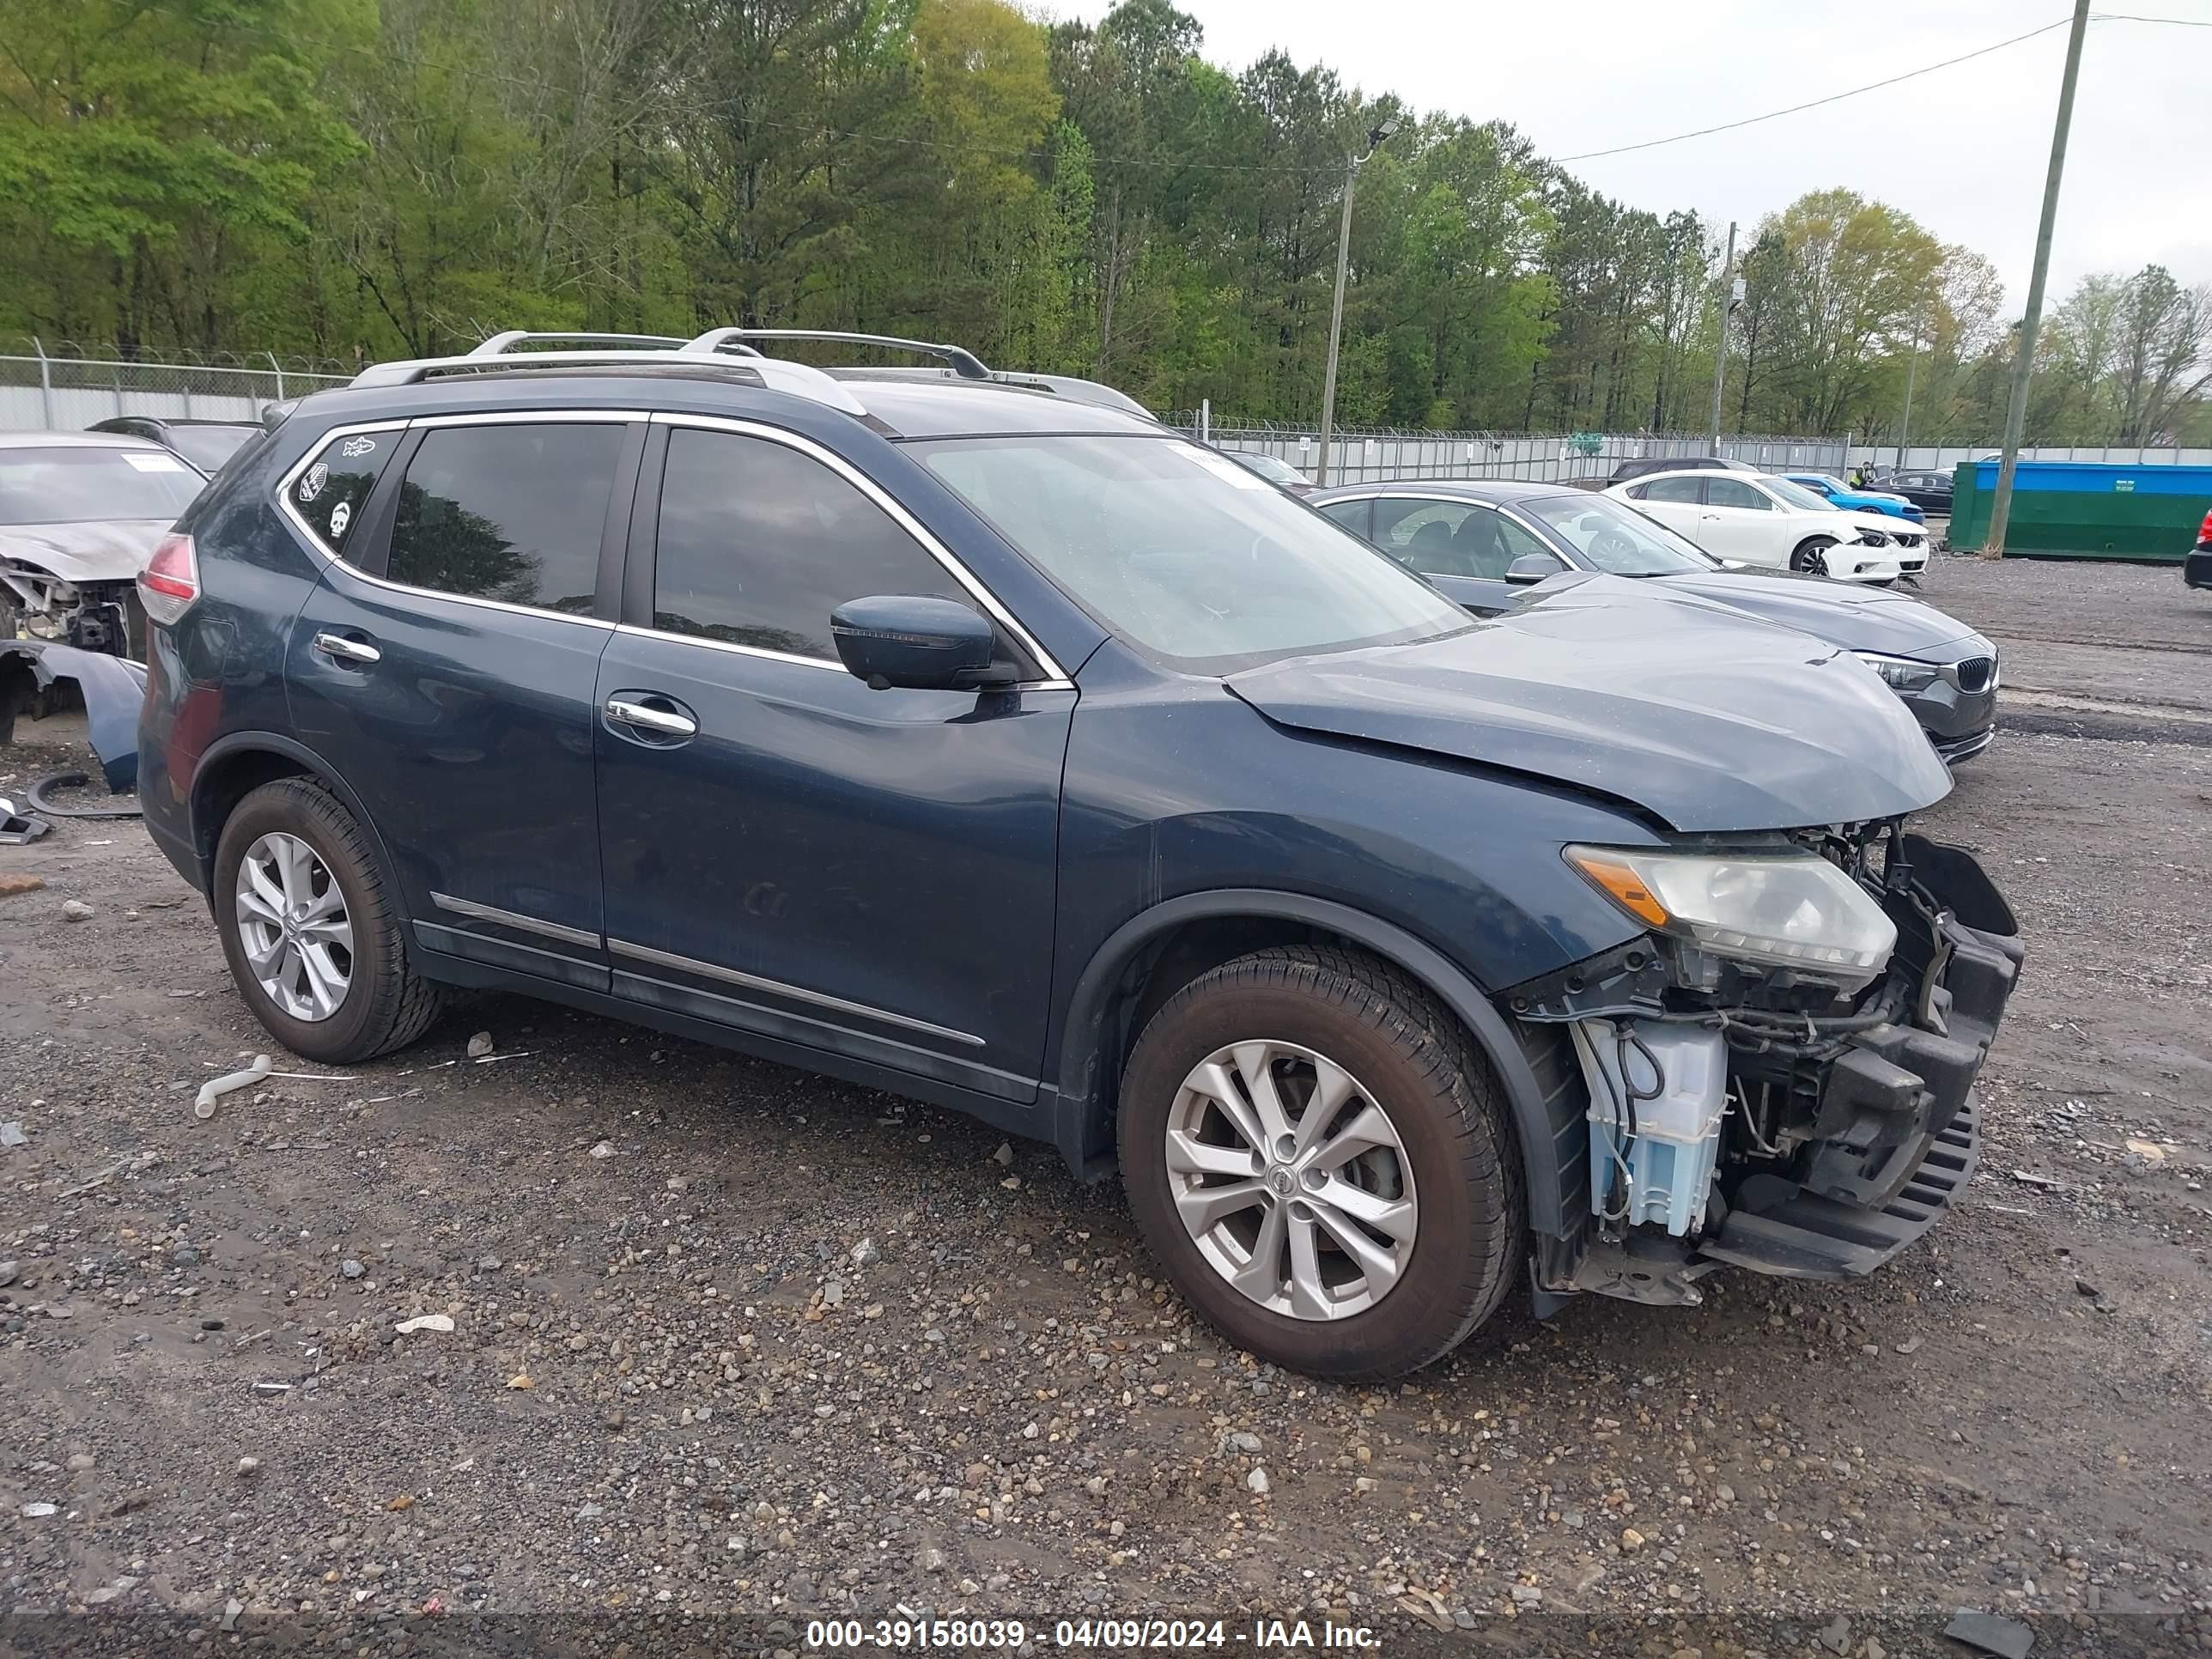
x=1000, y=748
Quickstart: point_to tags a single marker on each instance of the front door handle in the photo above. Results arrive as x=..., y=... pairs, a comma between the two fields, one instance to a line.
x=348, y=650
x=661, y=722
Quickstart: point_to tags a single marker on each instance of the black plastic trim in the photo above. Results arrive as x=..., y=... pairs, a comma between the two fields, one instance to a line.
x=1086, y=1116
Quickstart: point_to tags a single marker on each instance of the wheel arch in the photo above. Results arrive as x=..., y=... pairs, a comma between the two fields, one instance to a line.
x=234, y=766
x=1145, y=961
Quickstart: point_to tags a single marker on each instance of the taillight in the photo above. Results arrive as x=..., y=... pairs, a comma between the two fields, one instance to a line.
x=171, y=580
x=2204, y=531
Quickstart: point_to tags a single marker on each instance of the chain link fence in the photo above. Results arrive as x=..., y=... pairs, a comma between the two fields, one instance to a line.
x=1386, y=454
x=64, y=386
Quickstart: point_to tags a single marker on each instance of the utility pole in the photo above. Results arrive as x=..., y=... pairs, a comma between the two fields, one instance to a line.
x=1375, y=137
x=1719, y=347
x=2024, y=369
x=1904, y=425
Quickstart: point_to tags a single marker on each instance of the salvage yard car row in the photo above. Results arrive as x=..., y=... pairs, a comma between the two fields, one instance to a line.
x=972, y=737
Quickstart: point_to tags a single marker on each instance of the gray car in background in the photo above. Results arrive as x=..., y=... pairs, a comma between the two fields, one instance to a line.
x=1488, y=543
x=80, y=514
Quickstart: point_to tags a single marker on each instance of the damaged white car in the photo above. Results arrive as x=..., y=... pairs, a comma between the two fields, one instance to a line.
x=80, y=513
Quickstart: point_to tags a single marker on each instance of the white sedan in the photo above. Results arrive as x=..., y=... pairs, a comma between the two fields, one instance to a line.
x=1751, y=518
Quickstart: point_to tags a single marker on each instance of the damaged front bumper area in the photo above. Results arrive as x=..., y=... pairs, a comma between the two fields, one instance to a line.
x=1778, y=1128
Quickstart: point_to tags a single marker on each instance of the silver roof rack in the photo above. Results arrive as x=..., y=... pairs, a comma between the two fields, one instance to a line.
x=963, y=362
x=715, y=346
x=517, y=347
x=499, y=344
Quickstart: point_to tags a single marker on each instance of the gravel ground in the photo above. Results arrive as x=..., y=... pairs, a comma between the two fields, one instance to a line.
x=733, y=1347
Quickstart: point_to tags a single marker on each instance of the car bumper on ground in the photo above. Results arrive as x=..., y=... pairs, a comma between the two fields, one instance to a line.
x=2196, y=568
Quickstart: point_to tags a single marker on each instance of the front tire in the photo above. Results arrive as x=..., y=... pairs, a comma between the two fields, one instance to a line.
x=1810, y=557
x=1317, y=1154
x=311, y=936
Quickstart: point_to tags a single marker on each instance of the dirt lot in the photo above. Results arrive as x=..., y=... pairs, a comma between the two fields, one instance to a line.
x=734, y=1347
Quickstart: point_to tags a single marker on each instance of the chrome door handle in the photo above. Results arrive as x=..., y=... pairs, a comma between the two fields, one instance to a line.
x=346, y=650
x=662, y=722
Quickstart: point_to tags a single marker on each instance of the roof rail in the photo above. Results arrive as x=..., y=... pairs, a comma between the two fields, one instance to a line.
x=801, y=379
x=964, y=363
x=499, y=344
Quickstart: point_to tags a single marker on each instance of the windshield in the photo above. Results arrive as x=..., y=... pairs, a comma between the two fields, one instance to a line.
x=1618, y=540
x=1269, y=467
x=87, y=484
x=1798, y=496
x=1183, y=553
x=208, y=447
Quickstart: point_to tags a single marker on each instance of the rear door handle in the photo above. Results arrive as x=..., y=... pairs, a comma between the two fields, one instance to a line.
x=347, y=650
x=661, y=722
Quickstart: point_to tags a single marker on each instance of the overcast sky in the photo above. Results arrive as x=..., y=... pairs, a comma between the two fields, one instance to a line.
x=1962, y=150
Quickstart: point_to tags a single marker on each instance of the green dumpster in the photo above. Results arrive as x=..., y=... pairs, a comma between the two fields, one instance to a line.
x=2085, y=509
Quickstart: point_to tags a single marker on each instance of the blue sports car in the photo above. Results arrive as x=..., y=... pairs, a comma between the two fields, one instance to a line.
x=1857, y=501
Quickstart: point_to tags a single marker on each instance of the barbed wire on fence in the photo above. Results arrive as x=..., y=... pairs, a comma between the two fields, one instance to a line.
x=168, y=356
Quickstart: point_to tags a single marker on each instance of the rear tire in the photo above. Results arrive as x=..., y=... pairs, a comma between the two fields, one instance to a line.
x=1445, y=1197
x=385, y=1004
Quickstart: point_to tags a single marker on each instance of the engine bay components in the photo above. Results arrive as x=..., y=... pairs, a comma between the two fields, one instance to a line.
x=1658, y=1092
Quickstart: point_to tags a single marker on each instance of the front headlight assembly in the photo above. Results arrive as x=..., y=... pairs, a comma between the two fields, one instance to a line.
x=1902, y=673
x=1793, y=910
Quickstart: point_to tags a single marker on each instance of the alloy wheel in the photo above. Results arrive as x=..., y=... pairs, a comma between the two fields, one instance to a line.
x=1291, y=1180
x=293, y=923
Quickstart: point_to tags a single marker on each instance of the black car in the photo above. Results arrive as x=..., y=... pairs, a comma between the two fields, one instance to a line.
x=1485, y=543
x=1929, y=491
x=206, y=444
x=1636, y=469
x=1015, y=753
x=2196, y=568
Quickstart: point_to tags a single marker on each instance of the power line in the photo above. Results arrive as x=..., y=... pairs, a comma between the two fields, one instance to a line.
x=1832, y=98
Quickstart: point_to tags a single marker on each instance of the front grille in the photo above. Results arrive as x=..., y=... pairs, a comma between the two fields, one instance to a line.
x=1908, y=541
x=1974, y=673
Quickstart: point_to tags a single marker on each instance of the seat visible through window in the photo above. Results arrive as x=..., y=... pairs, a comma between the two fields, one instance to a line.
x=1477, y=548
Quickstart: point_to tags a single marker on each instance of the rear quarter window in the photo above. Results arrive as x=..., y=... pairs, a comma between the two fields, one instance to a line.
x=329, y=494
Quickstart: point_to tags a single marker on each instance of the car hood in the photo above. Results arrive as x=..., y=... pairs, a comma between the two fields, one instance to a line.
x=102, y=550
x=1857, y=617
x=1710, y=720
x=1865, y=517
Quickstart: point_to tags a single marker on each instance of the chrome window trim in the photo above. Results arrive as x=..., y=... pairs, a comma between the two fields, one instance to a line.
x=289, y=511
x=767, y=655
x=730, y=645
x=777, y=987
x=514, y=919
x=1558, y=547
x=1054, y=673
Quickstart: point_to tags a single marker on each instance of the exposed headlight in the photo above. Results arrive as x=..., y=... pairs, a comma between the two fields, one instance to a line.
x=1873, y=539
x=1902, y=672
x=1782, y=909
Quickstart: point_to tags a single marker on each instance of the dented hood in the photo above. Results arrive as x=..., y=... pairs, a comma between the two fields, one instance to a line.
x=100, y=551
x=1711, y=722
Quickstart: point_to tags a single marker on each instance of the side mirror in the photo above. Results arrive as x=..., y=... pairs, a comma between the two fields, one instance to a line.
x=920, y=643
x=1531, y=569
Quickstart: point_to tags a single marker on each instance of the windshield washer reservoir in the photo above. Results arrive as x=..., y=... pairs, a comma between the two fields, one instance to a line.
x=1658, y=1092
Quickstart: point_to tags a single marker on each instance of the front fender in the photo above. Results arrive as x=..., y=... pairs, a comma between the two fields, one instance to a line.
x=1546, y=1112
